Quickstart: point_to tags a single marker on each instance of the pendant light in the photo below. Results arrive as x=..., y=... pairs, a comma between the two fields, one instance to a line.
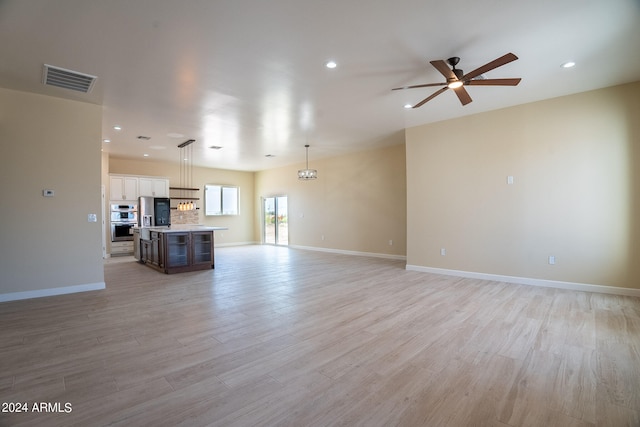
x=307, y=174
x=186, y=173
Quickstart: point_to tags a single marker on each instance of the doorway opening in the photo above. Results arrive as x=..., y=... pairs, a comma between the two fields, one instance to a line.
x=275, y=220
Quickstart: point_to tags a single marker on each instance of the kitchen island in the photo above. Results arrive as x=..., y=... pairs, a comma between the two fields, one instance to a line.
x=178, y=248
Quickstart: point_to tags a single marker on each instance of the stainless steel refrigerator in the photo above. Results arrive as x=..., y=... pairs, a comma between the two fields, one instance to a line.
x=154, y=212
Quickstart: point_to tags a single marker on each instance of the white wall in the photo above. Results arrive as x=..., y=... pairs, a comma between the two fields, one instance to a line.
x=47, y=244
x=358, y=202
x=576, y=191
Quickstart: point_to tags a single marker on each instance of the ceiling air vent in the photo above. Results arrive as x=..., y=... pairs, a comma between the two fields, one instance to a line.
x=68, y=79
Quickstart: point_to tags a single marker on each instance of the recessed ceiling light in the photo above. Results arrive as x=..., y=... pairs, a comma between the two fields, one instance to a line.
x=407, y=106
x=569, y=64
x=106, y=141
x=331, y=64
x=117, y=127
x=145, y=155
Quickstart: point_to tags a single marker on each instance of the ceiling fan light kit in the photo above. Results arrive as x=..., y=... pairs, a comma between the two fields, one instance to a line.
x=457, y=80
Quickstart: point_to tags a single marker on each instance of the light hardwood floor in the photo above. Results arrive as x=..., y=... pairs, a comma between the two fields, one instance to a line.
x=277, y=336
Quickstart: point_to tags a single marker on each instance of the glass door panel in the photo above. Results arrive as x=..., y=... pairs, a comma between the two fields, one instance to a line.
x=282, y=220
x=178, y=248
x=269, y=209
x=202, y=252
x=275, y=220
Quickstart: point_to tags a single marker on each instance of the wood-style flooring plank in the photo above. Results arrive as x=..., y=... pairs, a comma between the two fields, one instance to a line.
x=276, y=336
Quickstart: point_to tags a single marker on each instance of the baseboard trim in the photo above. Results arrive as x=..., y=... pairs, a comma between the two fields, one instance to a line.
x=344, y=252
x=15, y=296
x=585, y=287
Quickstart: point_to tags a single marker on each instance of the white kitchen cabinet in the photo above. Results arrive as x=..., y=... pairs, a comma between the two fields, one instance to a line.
x=123, y=188
x=155, y=187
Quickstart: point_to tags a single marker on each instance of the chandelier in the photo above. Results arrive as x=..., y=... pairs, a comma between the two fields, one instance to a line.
x=307, y=174
x=186, y=174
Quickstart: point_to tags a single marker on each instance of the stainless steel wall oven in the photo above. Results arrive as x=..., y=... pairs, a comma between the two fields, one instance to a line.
x=123, y=219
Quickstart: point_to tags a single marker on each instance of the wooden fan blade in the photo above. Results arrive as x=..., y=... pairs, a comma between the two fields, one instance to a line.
x=494, y=82
x=429, y=98
x=444, y=69
x=415, y=86
x=463, y=95
x=505, y=59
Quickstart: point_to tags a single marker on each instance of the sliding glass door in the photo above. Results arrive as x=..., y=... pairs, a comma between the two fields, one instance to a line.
x=275, y=220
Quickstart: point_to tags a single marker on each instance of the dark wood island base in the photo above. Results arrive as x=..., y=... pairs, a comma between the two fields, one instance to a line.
x=178, y=250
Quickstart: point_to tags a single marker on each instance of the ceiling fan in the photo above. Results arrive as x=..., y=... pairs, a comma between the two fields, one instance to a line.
x=457, y=80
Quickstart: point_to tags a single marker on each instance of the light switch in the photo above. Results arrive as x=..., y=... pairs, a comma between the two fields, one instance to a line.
x=92, y=218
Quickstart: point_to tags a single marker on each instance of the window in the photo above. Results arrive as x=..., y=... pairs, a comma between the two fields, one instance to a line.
x=221, y=200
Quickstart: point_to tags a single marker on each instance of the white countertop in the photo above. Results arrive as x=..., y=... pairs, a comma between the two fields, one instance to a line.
x=178, y=228
x=186, y=227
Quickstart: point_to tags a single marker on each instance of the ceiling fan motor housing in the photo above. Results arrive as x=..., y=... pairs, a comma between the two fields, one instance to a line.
x=453, y=61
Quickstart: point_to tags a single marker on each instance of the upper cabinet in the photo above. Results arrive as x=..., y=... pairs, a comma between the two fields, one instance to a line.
x=123, y=188
x=128, y=188
x=155, y=187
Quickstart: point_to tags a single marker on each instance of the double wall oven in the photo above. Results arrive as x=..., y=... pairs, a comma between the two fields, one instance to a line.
x=123, y=219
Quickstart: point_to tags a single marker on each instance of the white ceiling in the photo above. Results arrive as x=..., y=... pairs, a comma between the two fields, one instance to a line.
x=249, y=75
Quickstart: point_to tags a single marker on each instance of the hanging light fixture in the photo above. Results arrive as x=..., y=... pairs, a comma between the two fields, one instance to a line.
x=186, y=173
x=307, y=174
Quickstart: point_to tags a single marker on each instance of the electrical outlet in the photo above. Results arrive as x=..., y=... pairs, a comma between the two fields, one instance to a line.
x=443, y=251
x=390, y=242
x=552, y=260
x=322, y=237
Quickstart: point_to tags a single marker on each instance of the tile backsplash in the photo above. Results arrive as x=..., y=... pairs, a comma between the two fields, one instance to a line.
x=185, y=217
